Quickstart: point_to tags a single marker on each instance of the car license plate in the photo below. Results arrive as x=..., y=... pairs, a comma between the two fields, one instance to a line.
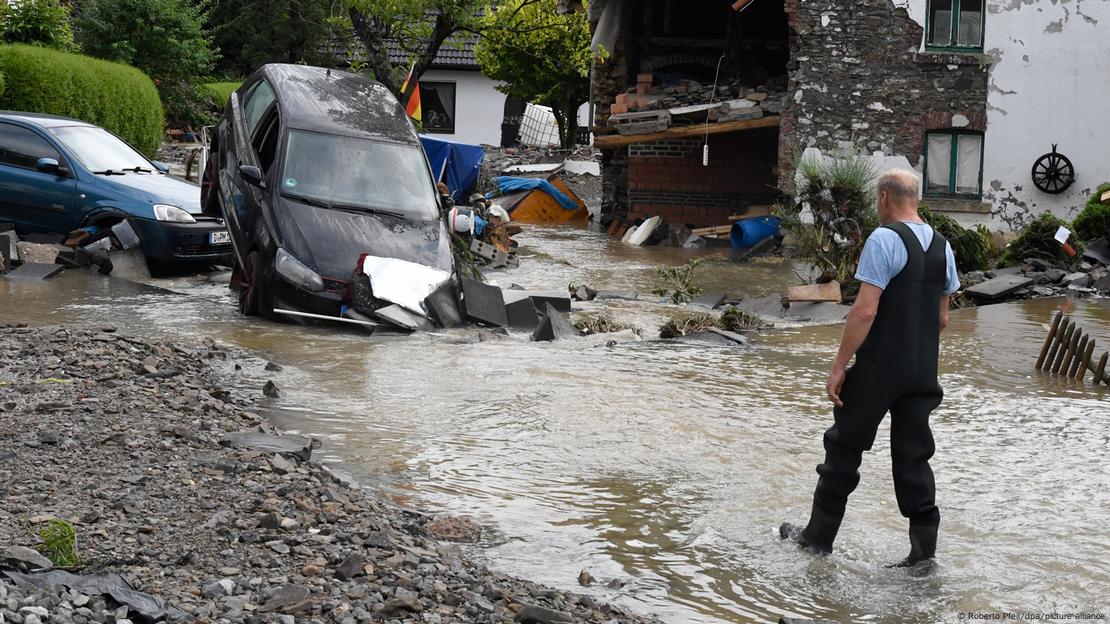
x=219, y=238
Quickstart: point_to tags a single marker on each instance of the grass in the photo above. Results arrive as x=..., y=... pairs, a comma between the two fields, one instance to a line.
x=221, y=91
x=59, y=543
x=603, y=324
x=732, y=319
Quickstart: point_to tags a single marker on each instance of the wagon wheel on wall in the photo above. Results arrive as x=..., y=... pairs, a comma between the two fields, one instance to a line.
x=1053, y=173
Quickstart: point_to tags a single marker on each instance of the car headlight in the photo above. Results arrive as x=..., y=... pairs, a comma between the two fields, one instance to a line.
x=173, y=214
x=296, y=272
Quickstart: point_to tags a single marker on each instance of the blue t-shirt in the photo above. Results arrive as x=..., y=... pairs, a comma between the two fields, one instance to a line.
x=884, y=256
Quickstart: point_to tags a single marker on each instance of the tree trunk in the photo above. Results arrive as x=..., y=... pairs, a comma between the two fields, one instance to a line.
x=374, y=36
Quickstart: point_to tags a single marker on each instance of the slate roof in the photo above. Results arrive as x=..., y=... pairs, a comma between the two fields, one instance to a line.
x=455, y=53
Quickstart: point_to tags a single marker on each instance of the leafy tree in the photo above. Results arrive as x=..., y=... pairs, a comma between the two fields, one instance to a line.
x=253, y=33
x=419, y=27
x=37, y=22
x=164, y=38
x=540, y=56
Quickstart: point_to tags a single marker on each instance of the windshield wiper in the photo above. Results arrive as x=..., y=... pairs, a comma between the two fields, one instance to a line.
x=108, y=172
x=367, y=209
x=344, y=207
x=138, y=170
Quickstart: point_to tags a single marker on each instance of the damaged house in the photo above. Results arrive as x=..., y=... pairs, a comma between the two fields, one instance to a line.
x=997, y=104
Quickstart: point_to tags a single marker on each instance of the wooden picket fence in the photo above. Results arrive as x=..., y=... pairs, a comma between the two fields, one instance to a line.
x=1068, y=352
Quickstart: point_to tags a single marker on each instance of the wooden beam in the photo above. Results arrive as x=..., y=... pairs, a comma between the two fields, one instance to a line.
x=613, y=141
x=1105, y=197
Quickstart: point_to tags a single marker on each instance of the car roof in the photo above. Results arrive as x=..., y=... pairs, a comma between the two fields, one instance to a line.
x=338, y=102
x=41, y=120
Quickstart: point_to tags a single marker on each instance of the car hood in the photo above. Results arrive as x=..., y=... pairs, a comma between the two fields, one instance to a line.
x=331, y=241
x=156, y=189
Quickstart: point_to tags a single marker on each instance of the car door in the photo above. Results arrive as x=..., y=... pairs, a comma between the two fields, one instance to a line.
x=33, y=200
x=246, y=199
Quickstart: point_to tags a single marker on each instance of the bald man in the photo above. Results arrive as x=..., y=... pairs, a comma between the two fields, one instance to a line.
x=907, y=273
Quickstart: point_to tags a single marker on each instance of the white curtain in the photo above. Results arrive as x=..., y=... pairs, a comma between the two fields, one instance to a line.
x=940, y=162
x=968, y=160
x=971, y=24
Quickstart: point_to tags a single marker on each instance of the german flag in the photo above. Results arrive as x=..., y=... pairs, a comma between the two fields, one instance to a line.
x=411, y=97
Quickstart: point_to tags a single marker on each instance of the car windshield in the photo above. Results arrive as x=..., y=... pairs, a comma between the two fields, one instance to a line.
x=352, y=173
x=100, y=150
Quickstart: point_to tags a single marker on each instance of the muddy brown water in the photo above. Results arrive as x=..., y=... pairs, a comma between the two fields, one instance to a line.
x=668, y=467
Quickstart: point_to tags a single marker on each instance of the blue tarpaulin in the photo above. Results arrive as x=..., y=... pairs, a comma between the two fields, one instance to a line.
x=455, y=164
x=509, y=184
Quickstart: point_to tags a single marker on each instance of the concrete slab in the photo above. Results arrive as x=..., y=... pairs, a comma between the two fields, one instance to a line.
x=129, y=264
x=8, y=242
x=35, y=271
x=763, y=307
x=484, y=304
x=539, y=298
x=626, y=295
x=998, y=287
x=825, y=312
x=709, y=300
x=522, y=315
x=1098, y=251
x=402, y=318
x=443, y=307
x=554, y=327
x=38, y=252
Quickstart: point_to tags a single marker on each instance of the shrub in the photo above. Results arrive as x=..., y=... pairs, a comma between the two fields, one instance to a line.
x=968, y=245
x=37, y=22
x=220, y=92
x=1094, y=221
x=59, y=543
x=1, y=83
x=164, y=38
x=678, y=282
x=1038, y=240
x=839, y=193
x=112, y=95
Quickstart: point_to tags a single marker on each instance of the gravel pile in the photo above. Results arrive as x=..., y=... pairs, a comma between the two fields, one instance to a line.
x=190, y=506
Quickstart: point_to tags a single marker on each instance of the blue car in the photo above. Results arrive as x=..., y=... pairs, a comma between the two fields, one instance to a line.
x=59, y=174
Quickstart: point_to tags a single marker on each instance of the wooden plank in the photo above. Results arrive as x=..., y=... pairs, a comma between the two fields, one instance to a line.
x=712, y=230
x=1105, y=197
x=614, y=141
x=829, y=291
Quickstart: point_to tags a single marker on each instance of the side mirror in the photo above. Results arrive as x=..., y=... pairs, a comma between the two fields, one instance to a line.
x=49, y=165
x=160, y=166
x=252, y=175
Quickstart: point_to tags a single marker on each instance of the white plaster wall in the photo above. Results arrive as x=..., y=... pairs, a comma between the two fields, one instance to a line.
x=1049, y=83
x=479, y=106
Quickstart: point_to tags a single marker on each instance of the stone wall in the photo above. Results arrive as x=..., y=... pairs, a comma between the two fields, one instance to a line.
x=858, y=81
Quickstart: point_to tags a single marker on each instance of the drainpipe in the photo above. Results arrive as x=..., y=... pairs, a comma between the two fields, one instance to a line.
x=590, y=120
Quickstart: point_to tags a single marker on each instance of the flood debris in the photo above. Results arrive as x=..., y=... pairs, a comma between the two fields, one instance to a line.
x=110, y=250
x=553, y=326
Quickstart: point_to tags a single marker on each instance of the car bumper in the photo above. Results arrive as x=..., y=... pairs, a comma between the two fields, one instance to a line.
x=183, y=242
x=292, y=297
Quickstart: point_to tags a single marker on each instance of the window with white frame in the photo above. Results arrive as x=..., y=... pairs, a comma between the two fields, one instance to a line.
x=954, y=25
x=954, y=163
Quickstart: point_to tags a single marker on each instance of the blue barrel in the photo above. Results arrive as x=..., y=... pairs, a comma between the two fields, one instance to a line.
x=747, y=232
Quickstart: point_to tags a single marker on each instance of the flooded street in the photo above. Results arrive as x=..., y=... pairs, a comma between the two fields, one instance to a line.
x=669, y=467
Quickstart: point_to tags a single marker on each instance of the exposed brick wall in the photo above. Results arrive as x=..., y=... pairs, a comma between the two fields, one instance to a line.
x=857, y=81
x=667, y=178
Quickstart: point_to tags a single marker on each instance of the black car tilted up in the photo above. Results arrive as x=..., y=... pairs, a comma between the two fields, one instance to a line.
x=312, y=170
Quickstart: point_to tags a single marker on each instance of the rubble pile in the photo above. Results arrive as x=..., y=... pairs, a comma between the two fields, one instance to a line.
x=1036, y=278
x=650, y=107
x=113, y=249
x=187, y=505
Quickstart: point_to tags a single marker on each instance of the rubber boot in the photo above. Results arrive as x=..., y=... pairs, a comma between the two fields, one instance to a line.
x=923, y=545
x=818, y=535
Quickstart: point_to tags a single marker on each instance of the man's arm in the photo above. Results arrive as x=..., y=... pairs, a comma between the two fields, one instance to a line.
x=860, y=318
x=944, y=311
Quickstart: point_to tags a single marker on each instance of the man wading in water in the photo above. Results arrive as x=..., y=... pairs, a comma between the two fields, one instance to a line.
x=907, y=272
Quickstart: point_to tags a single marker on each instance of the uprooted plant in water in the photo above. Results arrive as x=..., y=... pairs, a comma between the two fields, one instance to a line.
x=678, y=282
x=839, y=195
x=603, y=324
x=733, y=319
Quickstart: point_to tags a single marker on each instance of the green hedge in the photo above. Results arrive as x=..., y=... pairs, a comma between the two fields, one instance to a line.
x=1094, y=221
x=115, y=96
x=221, y=91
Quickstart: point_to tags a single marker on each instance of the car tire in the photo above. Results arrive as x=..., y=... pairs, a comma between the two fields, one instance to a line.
x=254, y=296
x=210, y=190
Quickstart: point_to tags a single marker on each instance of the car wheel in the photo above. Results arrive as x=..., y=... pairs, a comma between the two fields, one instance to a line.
x=210, y=190
x=254, y=298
